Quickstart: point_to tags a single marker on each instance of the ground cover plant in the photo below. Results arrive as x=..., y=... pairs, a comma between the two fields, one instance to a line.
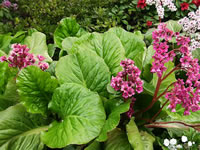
x=112, y=90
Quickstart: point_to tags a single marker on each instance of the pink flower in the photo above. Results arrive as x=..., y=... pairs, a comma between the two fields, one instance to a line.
x=3, y=58
x=20, y=58
x=128, y=82
x=6, y=3
x=40, y=57
x=43, y=65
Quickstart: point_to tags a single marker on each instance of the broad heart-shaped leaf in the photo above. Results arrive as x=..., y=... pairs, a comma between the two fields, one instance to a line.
x=132, y=43
x=106, y=46
x=117, y=140
x=20, y=130
x=82, y=114
x=37, y=44
x=35, y=88
x=134, y=137
x=113, y=108
x=67, y=27
x=170, y=79
x=85, y=68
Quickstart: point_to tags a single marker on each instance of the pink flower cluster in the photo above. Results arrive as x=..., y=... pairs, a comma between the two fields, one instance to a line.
x=161, y=55
x=188, y=97
x=21, y=58
x=185, y=93
x=8, y=4
x=128, y=82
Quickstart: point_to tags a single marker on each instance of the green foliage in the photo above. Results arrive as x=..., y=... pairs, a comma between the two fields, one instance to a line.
x=20, y=130
x=82, y=115
x=35, y=89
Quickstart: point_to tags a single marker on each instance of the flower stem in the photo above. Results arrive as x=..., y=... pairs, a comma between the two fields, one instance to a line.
x=154, y=117
x=154, y=98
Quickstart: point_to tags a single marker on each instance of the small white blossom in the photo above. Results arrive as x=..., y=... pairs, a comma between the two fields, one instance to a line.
x=184, y=139
x=173, y=141
x=166, y=142
x=179, y=146
x=189, y=143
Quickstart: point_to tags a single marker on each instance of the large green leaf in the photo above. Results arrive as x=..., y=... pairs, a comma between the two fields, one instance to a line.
x=148, y=140
x=37, y=44
x=134, y=137
x=10, y=96
x=6, y=73
x=107, y=46
x=67, y=27
x=94, y=146
x=85, y=68
x=117, y=140
x=113, y=108
x=82, y=114
x=5, y=42
x=132, y=43
x=68, y=42
x=20, y=130
x=35, y=88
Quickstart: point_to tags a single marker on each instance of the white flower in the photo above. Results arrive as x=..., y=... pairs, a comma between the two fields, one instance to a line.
x=179, y=146
x=173, y=141
x=184, y=139
x=189, y=143
x=166, y=142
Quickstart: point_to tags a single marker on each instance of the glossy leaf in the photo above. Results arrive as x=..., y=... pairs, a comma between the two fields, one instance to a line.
x=134, y=137
x=35, y=88
x=132, y=43
x=85, y=68
x=174, y=26
x=37, y=44
x=82, y=115
x=114, y=108
x=106, y=46
x=117, y=140
x=20, y=130
x=68, y=27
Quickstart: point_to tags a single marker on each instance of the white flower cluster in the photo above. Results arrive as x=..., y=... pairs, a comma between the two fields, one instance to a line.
x=171, y=144
x=160, y=4
x=191, y=25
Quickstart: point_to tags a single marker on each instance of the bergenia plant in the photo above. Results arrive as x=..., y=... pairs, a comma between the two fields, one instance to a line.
x=21, y=58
